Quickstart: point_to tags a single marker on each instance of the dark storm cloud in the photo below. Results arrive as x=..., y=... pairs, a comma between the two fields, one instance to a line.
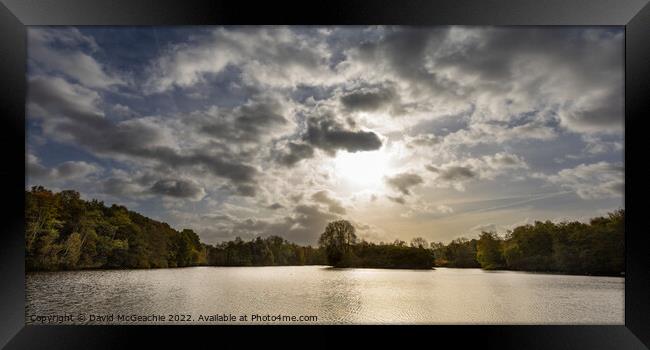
x=334, y=205
x=296, y=153
x=403, y=182
x=178, y=188
x=330, y=136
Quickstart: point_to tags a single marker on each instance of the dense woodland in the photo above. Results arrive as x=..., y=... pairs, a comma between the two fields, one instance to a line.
x=596, y=247
x=65, y=232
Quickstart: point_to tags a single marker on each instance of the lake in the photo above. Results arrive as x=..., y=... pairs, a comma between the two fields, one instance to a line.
x=213, y=295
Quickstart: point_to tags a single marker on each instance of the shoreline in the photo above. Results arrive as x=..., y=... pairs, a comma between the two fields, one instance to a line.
x=342, y=268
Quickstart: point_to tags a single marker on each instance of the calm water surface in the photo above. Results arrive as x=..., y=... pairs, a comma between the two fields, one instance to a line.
x=366, y=296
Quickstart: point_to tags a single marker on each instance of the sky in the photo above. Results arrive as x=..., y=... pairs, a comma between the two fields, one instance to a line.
x=438, y=132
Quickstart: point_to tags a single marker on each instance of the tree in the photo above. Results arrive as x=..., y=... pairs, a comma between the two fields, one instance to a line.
x=439, y=253
x=461, y=252
x=419, y=242
x=72, y=250
x=337, y=240
x=488, y=251
x=42, y=229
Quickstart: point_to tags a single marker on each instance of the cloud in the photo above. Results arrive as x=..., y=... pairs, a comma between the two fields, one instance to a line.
x=445, y=209
x=457, y=172
x=256, y=119
x=398, y=200
x=179, y=188
x=275, y=56
x=503, y=72
x=121, y=187
x=598, y=112
x=55, y=96
x=596, y=145
x=329, y=135
x=403, y=182
x=453, y=173
x=591, y=181
x=485, y=228
x=422, y=208
x=422, y=140
x=370, y=98
x=123, y=111
x=334, y=205
x=69, y=170
x=224, y=114
x=296, y=152
x=275, y=206
x=66, y=57
x=499, y=133
x=504, y=160
x=74, y=118
x=303, y=226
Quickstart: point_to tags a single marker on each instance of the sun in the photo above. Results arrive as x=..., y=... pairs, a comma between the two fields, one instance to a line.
x=362, y=169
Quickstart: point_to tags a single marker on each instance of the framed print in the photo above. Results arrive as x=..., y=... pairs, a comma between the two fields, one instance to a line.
x=442, y=170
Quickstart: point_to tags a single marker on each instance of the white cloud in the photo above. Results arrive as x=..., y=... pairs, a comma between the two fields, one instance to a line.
x=590, y=181
x=458, y=172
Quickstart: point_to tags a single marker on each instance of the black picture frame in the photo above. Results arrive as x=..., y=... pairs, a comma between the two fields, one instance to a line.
x=634, y=15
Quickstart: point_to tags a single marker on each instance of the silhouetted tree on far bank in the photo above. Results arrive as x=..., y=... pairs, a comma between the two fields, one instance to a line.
x=337, y=240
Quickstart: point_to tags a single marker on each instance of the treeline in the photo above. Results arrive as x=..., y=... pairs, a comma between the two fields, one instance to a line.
x=65, y=232
x=397, y=255
x=271, y=251
x=596, y=247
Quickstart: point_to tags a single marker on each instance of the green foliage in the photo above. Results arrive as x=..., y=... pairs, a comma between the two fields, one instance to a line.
x=567, y=247
x=489, y=251
x=65, y=232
